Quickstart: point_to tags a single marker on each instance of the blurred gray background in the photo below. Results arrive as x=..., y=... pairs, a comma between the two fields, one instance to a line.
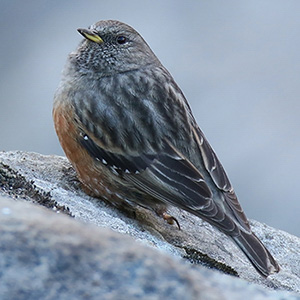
x=236, y=61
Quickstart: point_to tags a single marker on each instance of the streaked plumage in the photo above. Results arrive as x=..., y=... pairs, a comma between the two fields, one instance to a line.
x=128, y=130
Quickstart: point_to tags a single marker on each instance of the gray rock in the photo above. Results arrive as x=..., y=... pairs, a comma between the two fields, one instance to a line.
x=50, y=256
x=62, y=256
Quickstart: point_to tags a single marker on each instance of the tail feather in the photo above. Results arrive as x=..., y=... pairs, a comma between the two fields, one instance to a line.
x=257, y=253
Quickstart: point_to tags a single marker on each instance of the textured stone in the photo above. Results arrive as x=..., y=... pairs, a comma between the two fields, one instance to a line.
x=47, y=256
x=50, y=181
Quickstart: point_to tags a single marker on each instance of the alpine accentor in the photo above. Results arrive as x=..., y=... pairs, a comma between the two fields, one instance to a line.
x=129, y=132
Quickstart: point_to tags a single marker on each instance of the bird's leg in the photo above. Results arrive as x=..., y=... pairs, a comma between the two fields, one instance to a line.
x=170, y=219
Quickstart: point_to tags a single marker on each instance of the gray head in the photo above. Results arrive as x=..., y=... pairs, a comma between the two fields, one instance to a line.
x=111, y=47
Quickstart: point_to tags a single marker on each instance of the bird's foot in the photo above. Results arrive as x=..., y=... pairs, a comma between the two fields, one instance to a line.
x=170, y=219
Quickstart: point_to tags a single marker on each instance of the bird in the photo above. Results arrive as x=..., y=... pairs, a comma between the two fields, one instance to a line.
x=130, y=134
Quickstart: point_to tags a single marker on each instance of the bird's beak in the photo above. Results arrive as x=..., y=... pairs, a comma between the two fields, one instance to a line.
x=90, y=35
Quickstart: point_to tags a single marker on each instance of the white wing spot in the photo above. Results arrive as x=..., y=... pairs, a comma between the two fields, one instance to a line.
x=85, y=137
x=114, y=171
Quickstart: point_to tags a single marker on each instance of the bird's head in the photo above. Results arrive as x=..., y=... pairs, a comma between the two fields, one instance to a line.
x=112, y=47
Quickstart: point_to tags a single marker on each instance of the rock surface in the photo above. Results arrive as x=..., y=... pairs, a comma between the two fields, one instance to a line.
x=54, y=254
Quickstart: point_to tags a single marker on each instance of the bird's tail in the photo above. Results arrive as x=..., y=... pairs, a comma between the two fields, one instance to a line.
x=257, y=253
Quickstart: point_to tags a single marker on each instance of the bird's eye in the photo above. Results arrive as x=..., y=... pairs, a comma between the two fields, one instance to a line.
x=121, y=39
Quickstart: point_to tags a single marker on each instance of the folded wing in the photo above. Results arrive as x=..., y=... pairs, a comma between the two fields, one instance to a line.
x=167, y=176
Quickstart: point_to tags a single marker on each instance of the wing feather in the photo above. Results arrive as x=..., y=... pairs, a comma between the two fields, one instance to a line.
x=217, y=173
x=167, y=176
